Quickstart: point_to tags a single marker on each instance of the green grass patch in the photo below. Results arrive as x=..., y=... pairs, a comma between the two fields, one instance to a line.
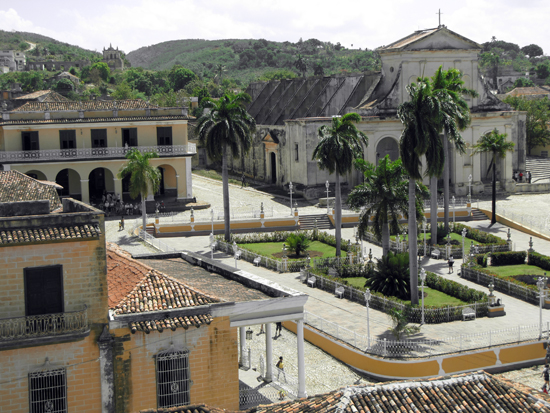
x=455, y=237
x=521, y=269
x=274, y=249
x=213, y=174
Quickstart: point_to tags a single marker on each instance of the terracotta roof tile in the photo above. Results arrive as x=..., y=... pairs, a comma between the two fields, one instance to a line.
x=195, y=408
x=137, y=288
x=93, y=120
x=16, y=186
x=47, y=95
x=86, y=105
x=48, y=234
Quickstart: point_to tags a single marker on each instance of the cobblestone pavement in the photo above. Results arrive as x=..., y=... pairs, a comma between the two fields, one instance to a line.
x=318, y=362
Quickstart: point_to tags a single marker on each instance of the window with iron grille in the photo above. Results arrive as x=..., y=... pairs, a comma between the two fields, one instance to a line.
x=173, y=382
x=164, y=135
x=48, y=391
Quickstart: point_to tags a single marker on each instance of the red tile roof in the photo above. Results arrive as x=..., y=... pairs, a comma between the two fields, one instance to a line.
x=48, y=234
x=72, y=121
x=137, y=288
x=16, y=186
x=86, y=105
x=473, y=393
x=196, y=408
x=47, y=95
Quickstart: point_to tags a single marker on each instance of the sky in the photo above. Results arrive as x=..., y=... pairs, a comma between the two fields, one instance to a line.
x=131, y=24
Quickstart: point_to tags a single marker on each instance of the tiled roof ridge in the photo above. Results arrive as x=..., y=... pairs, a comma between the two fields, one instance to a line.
x=94, y=120
x=69, y=232
x=122, y=104
x=195, y=290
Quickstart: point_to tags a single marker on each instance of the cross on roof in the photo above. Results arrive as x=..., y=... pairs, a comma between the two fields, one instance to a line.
x=439, y=13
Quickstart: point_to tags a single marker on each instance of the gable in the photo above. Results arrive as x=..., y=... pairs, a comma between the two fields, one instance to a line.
x=442, y=40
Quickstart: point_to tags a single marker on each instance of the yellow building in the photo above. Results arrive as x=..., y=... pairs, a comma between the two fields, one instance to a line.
x=82, y=145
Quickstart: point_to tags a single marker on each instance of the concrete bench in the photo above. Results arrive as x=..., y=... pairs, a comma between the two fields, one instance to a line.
x=468, y=314
x=339, y=292
x=311, y=281
x=257, y=261
x=436, y=253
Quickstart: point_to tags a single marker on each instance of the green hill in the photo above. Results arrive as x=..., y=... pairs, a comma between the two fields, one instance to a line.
x=246, y=60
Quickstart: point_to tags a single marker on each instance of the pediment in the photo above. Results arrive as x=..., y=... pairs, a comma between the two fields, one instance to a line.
x=268, y=138
x=442, y=39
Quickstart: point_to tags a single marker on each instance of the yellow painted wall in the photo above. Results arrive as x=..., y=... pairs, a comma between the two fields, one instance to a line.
x=80, y=358
x=213, y=362
x=84, y=276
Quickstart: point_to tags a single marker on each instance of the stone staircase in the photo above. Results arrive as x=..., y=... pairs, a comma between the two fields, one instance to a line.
x=477, y=215
x=539, y=167
x=307, y=222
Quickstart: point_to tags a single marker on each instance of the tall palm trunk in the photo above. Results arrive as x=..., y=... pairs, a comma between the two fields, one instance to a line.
x=433, y=208
x=446, y=172
x=338, y=216
x=413, y=246
x=494, y=200
x=385, y=238
x=144, y=212
x=225, y=180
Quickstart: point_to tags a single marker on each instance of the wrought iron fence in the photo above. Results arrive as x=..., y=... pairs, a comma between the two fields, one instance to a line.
x=503, y=286
x=263, y=394
x=428, y=348
x=44, y=325
x=93, y=153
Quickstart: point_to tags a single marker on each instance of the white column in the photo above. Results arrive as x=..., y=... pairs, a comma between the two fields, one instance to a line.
x=301, y=361
x=268, y=353
x=188, y=178
x=118, y=187
x=242, y=337
x=85, y=190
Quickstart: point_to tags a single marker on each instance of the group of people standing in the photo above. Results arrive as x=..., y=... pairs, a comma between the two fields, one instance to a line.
x=518, y=176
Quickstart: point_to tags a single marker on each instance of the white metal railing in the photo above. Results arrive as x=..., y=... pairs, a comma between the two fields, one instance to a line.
x=18, y=328
x=205, y=215
x=428, y=348
x=93, y=153
x=460, y=202
x=155, y=242
x=529, y=219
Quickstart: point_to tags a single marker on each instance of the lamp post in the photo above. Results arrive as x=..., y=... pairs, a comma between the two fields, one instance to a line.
x=367, y=294
x=464, y=232
x=423, y=278
x=212, y=235
x=327, y=185
x=540, y=286
x=424, y=228
x=470, y=188
x=290, y=191
x=454, y=206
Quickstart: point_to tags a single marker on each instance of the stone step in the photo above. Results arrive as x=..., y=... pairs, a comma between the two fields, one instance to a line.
x=307, y=222
x=477, y=215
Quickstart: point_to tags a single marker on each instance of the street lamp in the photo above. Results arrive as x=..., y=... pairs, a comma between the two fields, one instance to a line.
x=367, y=294
x=470, y=188
x=540, y=286
x=464, y=232
x=423, y=278
x=454, y=206
x=290, y=190
x=212, y=235
x=327, y=185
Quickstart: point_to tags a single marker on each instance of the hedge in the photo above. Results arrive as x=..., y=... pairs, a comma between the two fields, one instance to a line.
x=281, y=236
x=477, y=235
x=508, y=258
x=542, y=261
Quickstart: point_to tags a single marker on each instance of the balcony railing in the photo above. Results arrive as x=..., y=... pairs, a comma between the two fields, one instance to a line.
x=45, y=325
x=93, y=153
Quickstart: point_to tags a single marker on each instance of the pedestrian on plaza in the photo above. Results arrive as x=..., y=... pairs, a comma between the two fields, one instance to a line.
x=451, y=262
x=121, y=224
x=520, y=177
x=546, y=374
x=528, y=176
x=515, y=176
x=280, y=368
x=243, y=180
x=261, y=329
x=278, y=329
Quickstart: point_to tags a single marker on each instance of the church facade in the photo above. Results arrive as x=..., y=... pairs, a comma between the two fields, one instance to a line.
x=289, y=113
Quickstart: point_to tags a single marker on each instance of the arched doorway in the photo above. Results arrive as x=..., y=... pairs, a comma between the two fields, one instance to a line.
x=69, y=179
x=168, y=182
x=273, y=168
x=100, y=181
x=37, y=175
x=387, y=146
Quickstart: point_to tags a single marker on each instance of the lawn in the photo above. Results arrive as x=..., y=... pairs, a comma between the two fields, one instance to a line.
x=274, y=249
x=520, y=269
x=431, y=298
x=456, y=237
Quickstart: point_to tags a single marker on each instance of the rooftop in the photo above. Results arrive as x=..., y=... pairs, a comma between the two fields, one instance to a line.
x=44, y=96
x=86, y=105
x=16, y=186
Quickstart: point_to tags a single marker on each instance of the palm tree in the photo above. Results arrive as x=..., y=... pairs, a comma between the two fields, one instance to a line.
x=448, y=87
x=420, y=137
x=496, y=143
x=385, y=195
x=228, y=127
x=143, y=177
x=339, y=144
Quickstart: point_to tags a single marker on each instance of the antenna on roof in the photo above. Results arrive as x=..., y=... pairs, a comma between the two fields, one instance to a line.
x=439, y=13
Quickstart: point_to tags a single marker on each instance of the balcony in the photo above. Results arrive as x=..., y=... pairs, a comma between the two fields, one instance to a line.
x=93, y=153
x=44, y=328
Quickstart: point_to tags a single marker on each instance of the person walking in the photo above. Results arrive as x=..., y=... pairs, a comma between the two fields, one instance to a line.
x=546, y=375
x=528, y=176
x=520, y=177
x=121, y=224
x=278, y=328
x=280, y=368
x=243, y=180
x=261, y=329
x=451, y=262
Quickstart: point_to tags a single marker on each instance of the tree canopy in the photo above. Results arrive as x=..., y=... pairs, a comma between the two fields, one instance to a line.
x=538, y=118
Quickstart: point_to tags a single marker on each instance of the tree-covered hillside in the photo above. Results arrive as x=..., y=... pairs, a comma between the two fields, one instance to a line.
x=248, y=60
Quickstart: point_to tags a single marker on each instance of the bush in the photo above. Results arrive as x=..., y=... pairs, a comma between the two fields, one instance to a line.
x=508, y=258
x=477, y=235
x=454, y=289
x=391, y=276
x=297, y=242
x=539, y=260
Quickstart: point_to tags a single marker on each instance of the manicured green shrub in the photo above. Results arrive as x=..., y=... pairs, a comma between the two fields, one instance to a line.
x=391, y=275
x=542, y=261
x=297, y=242
x=508, y=258
x=481, y=259
x=454, y=289
x=477, y=235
